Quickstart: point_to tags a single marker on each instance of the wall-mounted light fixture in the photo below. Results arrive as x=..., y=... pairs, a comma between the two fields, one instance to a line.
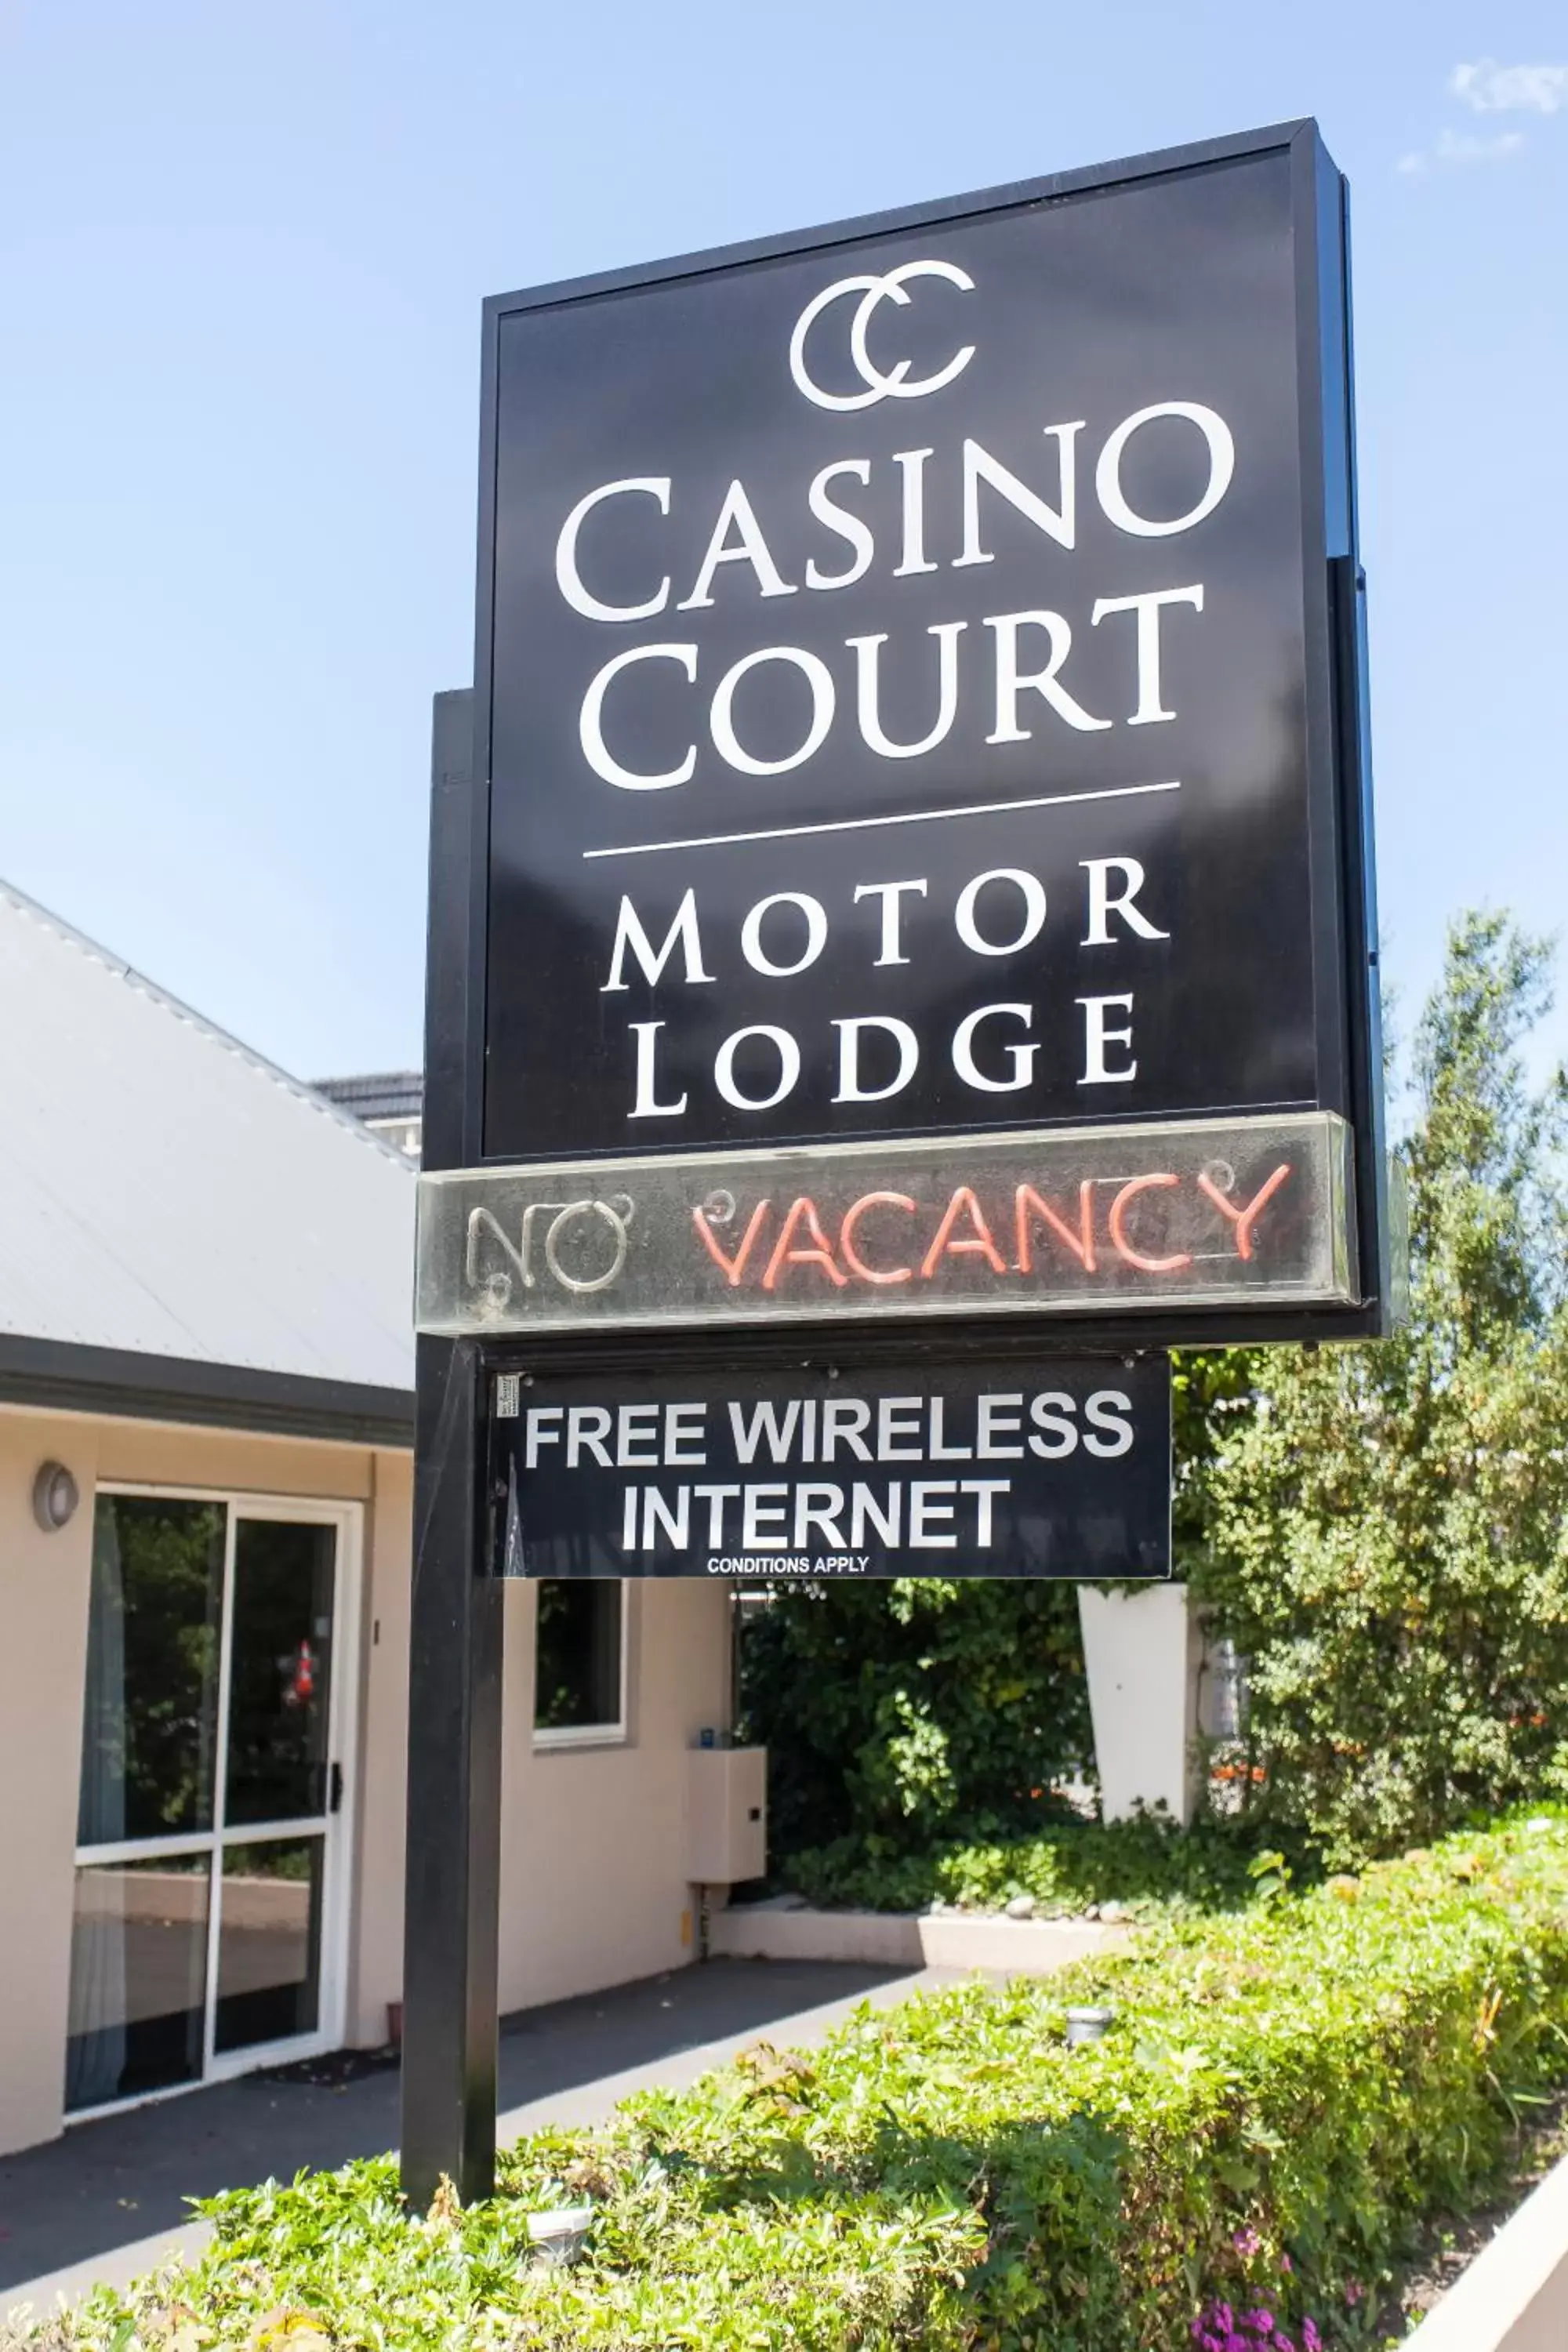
x=54, y=1496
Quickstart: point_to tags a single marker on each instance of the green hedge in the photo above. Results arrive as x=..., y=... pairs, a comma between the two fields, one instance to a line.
x=1286, y=2091
x=1065, y=1868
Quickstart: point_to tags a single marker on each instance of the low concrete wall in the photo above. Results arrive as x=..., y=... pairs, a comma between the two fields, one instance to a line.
x=1514, y=2297
x=892, y=1939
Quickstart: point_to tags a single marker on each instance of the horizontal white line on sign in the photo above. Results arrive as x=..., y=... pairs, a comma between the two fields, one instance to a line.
x=863, y=823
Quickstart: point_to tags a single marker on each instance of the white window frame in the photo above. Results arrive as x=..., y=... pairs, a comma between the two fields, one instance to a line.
x=336, y=1828
x=548, y=1736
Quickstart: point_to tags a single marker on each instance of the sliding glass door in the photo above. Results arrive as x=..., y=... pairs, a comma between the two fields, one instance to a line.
x=211, y=1840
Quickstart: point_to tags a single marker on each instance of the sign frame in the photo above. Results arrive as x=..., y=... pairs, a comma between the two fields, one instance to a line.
x=451, y=1943
x=1344, y=923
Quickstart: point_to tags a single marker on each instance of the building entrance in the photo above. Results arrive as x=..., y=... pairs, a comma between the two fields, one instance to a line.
x=211, y=1849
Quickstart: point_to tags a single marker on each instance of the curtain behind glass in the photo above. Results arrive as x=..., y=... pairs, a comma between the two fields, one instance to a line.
x=100, y=1811
x=96, y=2051
x=152, y=1668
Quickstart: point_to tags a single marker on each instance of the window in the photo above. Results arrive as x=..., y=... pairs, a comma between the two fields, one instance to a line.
x=579, y=1690
x=150, y=1718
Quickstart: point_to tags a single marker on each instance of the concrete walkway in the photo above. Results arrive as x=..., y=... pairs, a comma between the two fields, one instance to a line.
x=108, y=2201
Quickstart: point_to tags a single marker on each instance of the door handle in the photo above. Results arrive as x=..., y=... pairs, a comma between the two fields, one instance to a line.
x=334, y=1788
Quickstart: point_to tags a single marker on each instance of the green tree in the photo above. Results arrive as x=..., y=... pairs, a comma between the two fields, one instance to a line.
x=1387, y=1525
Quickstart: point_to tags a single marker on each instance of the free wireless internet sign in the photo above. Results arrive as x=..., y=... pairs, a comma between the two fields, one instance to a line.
x=1065, y=1471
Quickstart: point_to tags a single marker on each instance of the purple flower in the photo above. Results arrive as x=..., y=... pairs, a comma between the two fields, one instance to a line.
x=1262, y=2321
x=1353, y=2292
x=1246, y=2241
x=1310, y=2339
x=1285, y=2263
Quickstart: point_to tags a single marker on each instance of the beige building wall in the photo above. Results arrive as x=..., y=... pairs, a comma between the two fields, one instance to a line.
x=149, y=1454
x=594, y=1839
x=44, y=1585
x=593, y=1887
x=375, y=1930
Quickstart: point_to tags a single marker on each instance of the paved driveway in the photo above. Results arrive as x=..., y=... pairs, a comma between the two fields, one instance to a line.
x=107, y=2201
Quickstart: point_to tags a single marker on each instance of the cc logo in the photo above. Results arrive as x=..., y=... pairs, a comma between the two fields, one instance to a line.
x=895, y=383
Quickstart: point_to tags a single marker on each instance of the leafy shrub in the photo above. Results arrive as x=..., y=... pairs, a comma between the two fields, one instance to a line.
x=1388, y=1524
x=1285, y=2091
x=1381, y=1530
x=921, y=1708
x=1065, y=1868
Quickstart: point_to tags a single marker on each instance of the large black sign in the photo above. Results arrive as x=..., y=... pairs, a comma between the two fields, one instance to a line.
x=1059, y=1469
x=918, y=685
x=909, y=676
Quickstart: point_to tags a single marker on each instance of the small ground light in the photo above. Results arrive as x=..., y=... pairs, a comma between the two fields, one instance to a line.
x=557, y=2237
x=1088, y=2025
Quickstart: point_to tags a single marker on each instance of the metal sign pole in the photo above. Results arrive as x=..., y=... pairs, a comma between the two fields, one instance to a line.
x=453, y=1863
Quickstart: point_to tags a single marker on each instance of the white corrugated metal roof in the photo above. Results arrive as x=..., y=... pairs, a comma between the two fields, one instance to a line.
x=166, y=1193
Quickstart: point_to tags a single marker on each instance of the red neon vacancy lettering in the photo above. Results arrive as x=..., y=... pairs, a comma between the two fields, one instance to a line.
x=820, y=1253
x=732, y=1268
x=1243, y=1220
x=1029, y=1204
x=978, y=1243
x=1118, y=1207
x=851, y=1255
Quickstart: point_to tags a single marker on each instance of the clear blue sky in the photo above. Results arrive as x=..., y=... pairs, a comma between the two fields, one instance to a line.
x=244, y=248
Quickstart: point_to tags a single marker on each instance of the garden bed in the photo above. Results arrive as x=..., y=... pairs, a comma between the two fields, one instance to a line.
x=1287, y=2093
x=1451, y=2243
